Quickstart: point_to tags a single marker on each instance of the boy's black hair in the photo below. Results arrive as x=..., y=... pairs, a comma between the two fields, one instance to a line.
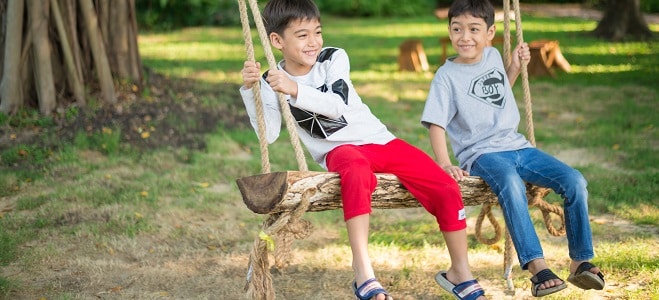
x=277, y=14
x=476, y=8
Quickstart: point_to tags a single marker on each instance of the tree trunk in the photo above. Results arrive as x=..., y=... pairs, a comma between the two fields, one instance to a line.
x=10, y=88
x=98, y=51
x=622, y=19
x=88, y=46
x=43, y=70
x=74, y=81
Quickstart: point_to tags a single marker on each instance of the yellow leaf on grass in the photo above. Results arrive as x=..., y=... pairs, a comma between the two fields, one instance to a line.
x=138, y=215
x=204, y=184
x=144, y=193
x=12, y=136
x=145, y=135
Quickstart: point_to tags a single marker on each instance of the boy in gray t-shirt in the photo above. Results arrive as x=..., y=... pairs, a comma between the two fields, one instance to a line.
x=471, y=101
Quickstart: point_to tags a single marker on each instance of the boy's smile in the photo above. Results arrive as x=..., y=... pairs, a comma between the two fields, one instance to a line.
x=469, y=36
x=300, y=44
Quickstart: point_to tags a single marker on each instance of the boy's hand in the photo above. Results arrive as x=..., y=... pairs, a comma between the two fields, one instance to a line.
x=251, y=73
x=455, y=172
x=280, y=82
x=519, y=55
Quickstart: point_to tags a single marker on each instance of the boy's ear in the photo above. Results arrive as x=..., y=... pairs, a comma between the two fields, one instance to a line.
x=276, y=40
x=491, y=31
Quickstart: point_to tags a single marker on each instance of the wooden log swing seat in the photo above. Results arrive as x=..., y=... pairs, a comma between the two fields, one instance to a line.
x=285, y=196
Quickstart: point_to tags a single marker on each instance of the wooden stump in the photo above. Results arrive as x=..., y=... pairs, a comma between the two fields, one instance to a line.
x=412, y=57
x=545, y=55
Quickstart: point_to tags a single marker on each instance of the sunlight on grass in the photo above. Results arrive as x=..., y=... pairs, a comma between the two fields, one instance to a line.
x=604, y=68
x=553, y=25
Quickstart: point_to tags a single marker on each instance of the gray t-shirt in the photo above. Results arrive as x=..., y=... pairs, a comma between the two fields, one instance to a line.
x=475, y=104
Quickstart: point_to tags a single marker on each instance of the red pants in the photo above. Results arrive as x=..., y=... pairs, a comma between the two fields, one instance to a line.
x=437, y=192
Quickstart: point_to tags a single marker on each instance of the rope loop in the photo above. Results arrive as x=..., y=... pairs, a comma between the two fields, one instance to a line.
x=486, y=210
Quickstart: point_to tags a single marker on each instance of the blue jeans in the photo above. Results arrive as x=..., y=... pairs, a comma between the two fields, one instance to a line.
x=506, y=173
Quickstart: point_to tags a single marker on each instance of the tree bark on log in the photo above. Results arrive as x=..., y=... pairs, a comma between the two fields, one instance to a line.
x=282, y=191
x=10, y=88
x=623, y=18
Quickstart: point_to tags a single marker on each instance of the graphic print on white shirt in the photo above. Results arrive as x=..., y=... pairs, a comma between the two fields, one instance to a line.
x=489, y=88
x=319, y=126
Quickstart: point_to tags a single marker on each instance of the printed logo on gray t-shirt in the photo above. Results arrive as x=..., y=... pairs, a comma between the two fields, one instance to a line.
x=489, y=88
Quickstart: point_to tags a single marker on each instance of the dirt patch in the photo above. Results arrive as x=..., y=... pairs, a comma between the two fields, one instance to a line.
x=174, y=112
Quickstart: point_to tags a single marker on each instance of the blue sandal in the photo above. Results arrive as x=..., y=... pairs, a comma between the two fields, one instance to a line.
x=369, y=289
x=468, y=290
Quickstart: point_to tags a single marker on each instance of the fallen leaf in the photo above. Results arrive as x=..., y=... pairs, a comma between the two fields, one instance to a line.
x=204, y=184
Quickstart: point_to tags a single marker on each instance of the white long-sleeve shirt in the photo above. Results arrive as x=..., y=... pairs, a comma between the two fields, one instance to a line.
x=327, y=110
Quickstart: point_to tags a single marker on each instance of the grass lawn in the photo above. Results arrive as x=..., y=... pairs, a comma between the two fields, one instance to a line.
x=97, y=219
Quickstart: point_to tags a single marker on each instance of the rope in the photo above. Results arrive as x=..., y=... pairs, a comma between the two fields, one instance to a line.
x=249, y=48
x=286, y=110
x=284, y=227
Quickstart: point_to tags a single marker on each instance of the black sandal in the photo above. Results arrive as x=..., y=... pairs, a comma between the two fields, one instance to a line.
x=584, y=279
x=542, y=277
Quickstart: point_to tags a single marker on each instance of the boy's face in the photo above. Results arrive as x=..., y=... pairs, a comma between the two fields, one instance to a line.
x=469, y=36
x=300, y=45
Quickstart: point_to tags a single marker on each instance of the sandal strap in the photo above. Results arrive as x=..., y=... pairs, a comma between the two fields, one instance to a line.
x=368, y=289
x=585, y=267
x=468, y=290
x=543, y=276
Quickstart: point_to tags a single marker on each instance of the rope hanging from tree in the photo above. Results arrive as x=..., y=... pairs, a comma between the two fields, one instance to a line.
x=288, y=225
x=283, y=226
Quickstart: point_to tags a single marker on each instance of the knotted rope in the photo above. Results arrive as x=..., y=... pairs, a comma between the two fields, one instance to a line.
x=535, y=194
x=284, y=226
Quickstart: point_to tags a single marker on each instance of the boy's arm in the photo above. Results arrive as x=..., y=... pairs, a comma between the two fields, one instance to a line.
x=272, y=115
x=521, y=53
x=333, y=100
x=440, y=149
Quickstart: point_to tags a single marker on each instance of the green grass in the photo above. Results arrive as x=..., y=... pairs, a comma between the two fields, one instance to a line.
x=106, y=199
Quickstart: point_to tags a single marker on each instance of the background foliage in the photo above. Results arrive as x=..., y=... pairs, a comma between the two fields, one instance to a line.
x=172, y=14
